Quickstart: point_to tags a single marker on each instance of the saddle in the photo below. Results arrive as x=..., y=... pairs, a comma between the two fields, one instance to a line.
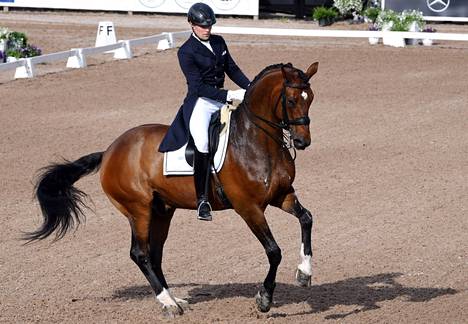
x=218, y=123
x=180, y=162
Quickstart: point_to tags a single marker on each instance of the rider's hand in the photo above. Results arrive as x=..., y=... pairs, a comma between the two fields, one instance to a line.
x=235, y=95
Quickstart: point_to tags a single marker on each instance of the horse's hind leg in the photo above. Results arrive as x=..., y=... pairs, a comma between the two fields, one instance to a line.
x=292, y=206
x=140, y=218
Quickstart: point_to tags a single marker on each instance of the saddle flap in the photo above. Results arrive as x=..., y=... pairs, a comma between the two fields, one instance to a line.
x=180, y=162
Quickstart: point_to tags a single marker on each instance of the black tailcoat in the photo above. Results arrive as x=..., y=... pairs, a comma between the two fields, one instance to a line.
x=204, y=72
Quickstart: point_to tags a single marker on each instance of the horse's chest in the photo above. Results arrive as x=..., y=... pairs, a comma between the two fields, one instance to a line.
x=280, y=177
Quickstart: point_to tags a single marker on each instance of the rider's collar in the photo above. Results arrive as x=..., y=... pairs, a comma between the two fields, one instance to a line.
x=202, y=41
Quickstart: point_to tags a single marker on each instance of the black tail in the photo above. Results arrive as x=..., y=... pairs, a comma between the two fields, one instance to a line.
x=61, y=203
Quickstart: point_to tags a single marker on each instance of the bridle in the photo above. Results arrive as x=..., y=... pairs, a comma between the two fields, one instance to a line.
x=284, y=123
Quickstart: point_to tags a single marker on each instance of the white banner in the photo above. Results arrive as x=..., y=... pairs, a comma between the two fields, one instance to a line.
x=223, y=7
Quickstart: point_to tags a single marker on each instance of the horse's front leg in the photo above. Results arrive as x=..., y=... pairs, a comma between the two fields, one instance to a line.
x=292, y=206
x=255, y=219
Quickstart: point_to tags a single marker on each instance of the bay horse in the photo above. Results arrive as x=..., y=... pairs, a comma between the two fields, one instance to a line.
x=259, y=170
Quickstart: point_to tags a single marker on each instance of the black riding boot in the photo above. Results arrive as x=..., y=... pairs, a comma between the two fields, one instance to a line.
x=202, y=170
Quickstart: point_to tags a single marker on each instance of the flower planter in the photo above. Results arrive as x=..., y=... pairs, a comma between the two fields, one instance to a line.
x=413, y=28
x=3, y=50
x=374, y=40
x=397, y=41
x=386, y=27
x=427, y=42
x=325, y=22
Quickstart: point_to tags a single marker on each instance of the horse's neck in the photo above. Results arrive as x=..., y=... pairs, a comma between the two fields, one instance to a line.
x=253, y=137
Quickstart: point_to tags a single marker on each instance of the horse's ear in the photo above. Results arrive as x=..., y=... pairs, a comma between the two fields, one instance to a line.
x=312, y=70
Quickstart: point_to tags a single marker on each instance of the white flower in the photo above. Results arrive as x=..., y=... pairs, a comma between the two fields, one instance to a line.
x=347, y=6
x=4, y=33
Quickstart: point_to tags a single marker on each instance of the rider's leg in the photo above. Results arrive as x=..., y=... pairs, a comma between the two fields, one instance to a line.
x=201, y=167
x=199, y=122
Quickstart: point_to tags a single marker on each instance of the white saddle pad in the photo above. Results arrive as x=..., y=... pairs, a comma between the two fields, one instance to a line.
x=175, y=163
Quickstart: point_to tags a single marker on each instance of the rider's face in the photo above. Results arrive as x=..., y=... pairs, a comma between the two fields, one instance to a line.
x=202, y=32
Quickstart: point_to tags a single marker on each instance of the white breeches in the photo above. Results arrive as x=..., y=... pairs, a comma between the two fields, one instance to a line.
x=200, y=120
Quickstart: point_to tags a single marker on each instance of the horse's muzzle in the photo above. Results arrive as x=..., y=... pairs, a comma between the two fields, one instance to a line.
x=301, y=143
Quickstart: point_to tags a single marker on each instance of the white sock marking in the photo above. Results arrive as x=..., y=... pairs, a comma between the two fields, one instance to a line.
x=306, y=264
x=166, y=298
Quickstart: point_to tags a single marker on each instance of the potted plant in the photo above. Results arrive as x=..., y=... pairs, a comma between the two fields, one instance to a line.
x=15, y=41
x=371, y=14
x=399, y=25
x=18, y=47
x=414, y=21
x=324, y=16
x=347, y=8
x=386, y=20
x=373, y=40
x=428, y=41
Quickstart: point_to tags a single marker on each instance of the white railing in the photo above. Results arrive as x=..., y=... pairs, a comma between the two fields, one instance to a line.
x=76, y=57
x=335, y=33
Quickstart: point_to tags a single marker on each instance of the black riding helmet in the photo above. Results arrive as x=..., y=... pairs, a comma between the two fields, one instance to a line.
x=201, y=14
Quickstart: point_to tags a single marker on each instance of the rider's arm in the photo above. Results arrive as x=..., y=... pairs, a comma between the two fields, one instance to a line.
x=195, y=81
x=234, y=72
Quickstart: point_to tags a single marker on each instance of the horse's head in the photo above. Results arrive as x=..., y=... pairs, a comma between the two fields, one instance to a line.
x=280, y=96
x=293, y=107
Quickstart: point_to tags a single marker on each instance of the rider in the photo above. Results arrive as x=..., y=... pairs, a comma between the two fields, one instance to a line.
x=203, y=58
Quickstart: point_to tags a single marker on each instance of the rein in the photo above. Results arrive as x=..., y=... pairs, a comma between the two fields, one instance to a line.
x=285, y=123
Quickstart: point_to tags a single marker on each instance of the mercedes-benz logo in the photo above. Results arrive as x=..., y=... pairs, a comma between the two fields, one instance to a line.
x=438, y=5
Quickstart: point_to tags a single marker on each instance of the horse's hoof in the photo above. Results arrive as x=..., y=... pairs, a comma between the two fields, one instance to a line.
x=304, y=280
x=172, y=311
x=263, y=301
x=183, y=304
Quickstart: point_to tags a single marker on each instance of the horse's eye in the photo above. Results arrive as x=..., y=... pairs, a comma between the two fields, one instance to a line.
x=291, y=102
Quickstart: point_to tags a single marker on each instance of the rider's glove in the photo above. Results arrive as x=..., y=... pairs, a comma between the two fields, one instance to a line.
x=235, y=95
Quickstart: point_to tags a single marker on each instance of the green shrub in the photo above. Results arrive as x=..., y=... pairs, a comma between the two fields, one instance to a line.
x=324, y=13
x=372, y=13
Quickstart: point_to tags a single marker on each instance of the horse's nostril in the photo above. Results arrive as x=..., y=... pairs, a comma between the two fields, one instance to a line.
x=300, y=143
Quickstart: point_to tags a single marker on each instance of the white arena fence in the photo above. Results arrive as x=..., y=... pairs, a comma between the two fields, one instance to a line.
x=76, y=58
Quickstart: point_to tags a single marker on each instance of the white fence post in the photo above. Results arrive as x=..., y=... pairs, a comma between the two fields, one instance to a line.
x=26, y=70
x=78, y=60
x=166, y=43
x=125, y=52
